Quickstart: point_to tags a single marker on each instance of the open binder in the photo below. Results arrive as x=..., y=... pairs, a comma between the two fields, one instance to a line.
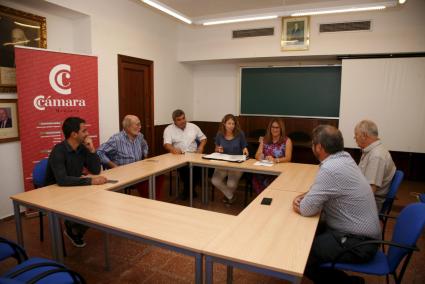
x=226, y=157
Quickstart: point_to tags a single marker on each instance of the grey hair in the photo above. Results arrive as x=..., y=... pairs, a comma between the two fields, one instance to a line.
x=177, y=113
x=368, y=127
x=126, y=122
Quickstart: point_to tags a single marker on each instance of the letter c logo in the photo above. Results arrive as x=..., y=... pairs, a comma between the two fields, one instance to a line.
x=59, y=79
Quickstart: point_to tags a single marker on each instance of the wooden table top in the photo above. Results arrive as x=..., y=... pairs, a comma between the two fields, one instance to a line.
x=295, y=177
x=272, y=237
x=177, y=225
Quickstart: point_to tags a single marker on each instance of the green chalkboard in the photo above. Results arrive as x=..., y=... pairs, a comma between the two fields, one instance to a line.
x=291, y=91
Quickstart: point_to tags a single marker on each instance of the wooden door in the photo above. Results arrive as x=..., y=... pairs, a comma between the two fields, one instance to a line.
x=135, y=86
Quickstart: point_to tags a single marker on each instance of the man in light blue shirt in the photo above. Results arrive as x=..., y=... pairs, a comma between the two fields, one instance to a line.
x=343, y=195
x=125, y=147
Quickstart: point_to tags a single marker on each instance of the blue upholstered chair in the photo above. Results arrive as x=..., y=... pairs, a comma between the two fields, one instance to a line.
x=10, y=249
x=389, y=199
x=409, y=226
x=38, y=177
x=34, y=270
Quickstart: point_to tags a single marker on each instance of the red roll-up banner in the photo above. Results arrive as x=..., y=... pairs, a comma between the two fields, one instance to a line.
x=51, y=87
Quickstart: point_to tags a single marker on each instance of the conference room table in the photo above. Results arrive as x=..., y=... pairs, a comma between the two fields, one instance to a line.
x=270, y=239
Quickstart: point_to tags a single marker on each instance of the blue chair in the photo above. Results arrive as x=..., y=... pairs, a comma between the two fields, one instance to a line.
x=35, y=270
x=10, y=249
x=38, y=177
x=389, y=199
x=407, y=230
x=42, y=271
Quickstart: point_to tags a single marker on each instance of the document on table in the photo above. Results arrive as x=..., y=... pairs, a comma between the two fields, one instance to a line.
x=264, y=163
x=226, y=157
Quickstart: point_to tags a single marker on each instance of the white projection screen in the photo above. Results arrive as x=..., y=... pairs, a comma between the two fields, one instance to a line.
x=389, y=91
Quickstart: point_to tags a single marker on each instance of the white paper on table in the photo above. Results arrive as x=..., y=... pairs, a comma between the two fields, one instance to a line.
x=263, y=163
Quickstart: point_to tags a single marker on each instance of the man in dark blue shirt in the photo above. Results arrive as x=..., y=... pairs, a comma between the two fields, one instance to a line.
x=66, y=164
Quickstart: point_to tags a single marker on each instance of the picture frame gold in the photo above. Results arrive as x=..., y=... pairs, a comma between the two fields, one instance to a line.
x=17, y=28
x=9, y=122
x=295, y=33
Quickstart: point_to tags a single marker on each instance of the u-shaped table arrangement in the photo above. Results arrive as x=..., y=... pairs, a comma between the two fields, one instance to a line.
x=269, y=239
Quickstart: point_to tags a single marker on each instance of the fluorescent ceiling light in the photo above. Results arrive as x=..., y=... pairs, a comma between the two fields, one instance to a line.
x=167, y=10
x=218, y=22
x=333, y=11
x=401, y=1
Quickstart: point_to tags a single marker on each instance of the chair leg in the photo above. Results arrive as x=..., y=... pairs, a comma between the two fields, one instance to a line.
x=40, y=216
x=63, y=242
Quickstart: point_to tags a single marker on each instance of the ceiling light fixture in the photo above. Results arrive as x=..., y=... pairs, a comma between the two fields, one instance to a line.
x=402, y=1
x=167, y=10
x=238, y=20
x=333, y=11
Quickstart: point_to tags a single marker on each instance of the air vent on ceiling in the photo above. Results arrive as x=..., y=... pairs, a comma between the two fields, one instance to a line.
x=343, y=27
x=253, y=32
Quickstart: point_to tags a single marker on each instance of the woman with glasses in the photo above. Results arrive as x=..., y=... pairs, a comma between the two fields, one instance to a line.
x=275, y=147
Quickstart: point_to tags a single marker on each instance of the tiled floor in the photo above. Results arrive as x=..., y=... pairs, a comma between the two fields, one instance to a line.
x=133, y=262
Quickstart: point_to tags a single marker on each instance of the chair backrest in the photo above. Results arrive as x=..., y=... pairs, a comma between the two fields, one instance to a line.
x=407, y=230
x=39, y=173
x=392, y=192
x=421, y=197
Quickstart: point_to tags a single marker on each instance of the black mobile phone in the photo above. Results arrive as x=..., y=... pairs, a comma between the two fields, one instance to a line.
x=112, y=181
x=266, y=201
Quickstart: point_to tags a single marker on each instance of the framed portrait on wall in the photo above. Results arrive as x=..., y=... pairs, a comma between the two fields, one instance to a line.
x=9, y=125
x=17, y=28
x=295, y=33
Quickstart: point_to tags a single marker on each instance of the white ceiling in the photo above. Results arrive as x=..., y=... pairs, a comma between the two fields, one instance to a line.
x=199, y=10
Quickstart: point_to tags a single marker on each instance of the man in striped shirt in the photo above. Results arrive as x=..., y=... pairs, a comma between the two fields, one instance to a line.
x=348, y=208
x=128, y=146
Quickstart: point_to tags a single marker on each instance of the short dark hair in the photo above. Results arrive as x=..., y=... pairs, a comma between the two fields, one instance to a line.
x=329, y=137
x=71, y=124
x=177, y=113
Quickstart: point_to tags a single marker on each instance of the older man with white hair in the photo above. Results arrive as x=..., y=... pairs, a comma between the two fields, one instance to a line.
x=376, y=163
x=128, y=146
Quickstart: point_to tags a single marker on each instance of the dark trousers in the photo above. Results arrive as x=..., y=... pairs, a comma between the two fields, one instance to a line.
x=77, y=229
x=327, y=244
x=184, y=173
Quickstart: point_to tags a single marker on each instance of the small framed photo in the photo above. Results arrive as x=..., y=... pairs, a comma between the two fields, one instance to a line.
x=17, y=28
x=295, y=33
x=9, y=126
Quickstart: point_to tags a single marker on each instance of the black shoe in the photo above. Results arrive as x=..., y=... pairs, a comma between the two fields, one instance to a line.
x=228, y=201
x=356, y=280
x=75, y=240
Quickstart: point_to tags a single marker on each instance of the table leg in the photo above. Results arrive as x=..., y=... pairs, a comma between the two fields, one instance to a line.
x=106, y=251
x=191, y=184
x=198, y=269
x=153, y=187
x=150, y=187
x=54, y=232
x=229, y=274
x=203, y=185
x=18, y=223
x=208, y=270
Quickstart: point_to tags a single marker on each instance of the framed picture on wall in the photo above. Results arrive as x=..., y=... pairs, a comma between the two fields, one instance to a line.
x=17, y=28
x=9, y=125
x=295, y=33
